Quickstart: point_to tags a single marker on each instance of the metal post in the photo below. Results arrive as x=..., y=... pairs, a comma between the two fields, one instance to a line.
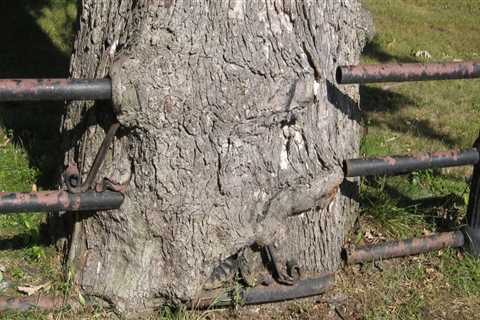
x=472, y=229
x=55, y=89
x=407, y=163
x=392, y=249
x=399, y=72
x=15, y=202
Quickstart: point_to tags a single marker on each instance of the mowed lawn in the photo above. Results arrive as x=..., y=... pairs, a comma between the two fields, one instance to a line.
x=411, y=117
x=400, y=118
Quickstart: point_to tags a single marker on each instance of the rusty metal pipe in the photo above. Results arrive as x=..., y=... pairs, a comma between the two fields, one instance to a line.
x=55, y=89
x=274, y=293
x=401, y=248
x=47, y=303
x=400, y=72
x=407, y=163
x=14, y=202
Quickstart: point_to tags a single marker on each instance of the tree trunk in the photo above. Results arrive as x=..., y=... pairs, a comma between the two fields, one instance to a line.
x=233, y=135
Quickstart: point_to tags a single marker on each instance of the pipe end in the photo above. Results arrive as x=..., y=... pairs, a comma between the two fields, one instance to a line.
x=339, y=75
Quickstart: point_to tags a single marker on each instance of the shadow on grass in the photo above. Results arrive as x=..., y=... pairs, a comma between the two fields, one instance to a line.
x=27, y=52
x=441, y=211
x=375, y=51
x=21, y=241
x=377, y=100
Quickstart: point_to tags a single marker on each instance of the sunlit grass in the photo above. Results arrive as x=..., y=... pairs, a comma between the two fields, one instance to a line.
x=422, y=116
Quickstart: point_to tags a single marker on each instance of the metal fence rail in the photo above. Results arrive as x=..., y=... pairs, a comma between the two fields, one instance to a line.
x=469, y=236
x=406, y=163
x=400, y=72
x=17, y=202
x=55, y=89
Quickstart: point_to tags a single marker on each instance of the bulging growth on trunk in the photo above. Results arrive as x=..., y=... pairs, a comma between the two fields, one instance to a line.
x=233, y=136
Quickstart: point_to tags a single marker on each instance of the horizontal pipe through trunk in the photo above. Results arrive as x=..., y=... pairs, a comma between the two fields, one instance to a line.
x=407, y=163
x=12, y=202
x=400, y=72
x=401, y=248
x=55, y=89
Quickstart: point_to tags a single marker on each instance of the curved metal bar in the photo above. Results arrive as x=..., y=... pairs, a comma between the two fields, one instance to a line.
x=55, y=89
x=72, y=176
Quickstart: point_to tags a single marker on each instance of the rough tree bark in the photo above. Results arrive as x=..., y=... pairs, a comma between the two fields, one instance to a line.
x=233, y=133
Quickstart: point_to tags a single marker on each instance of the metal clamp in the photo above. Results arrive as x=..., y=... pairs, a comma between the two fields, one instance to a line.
x=73, y=180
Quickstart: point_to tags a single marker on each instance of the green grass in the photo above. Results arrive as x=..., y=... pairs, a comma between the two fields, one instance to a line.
x=403, y=118
x=412, y=117
x=37, y=44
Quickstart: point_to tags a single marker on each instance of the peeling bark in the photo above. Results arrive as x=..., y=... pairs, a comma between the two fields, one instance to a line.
x=233, y=134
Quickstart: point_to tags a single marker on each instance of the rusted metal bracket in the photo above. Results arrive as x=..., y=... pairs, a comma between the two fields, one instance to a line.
x=72, y=175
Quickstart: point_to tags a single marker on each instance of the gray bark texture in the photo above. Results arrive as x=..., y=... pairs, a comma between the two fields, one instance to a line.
x=233, y=134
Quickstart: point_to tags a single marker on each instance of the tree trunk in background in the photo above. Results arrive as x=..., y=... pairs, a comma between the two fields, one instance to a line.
x=233, y=133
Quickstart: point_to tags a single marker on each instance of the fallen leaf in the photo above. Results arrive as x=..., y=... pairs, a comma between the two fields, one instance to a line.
x=30, y=289
x=368, y=235
x=81, y=299
x=426, y=232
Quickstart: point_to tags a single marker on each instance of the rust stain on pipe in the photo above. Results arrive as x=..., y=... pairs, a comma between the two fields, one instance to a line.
x=392, y=249
x=55, y=89
x=11, y=202
x=407, y=163
x=399, y=72
x=273, y=293
x=47, y=303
